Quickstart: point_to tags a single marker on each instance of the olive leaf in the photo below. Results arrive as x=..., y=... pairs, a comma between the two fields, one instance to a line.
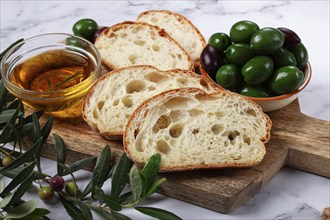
x=21, y=189
x=6, y=115
x=120, y=175
x=149, y=172
x=71, y=209
x=25, y=157
x=60, y=153
x=155, y=187
x=158, y=213
x=46, y=129
x=14, y=172
x=103, y=213
x=4, y=202
x=109, y=201
x=9, y=125
x=20, y=177
x=2, y=186
x=22, y=210
x=84, y=209
x=37, y=214
x=119, y=216
x=3, y=95
x=135, y=182
x=78, y=165
x=126, y=198
x=29, y=118
x=101, y=168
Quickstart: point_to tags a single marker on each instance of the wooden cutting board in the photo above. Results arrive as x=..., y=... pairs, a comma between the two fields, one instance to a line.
x=297, y=141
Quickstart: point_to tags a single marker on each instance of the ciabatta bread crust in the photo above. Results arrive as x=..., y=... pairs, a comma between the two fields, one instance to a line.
x=179, y=28
x=195, y=130
x=138, y=43
x=111, y=101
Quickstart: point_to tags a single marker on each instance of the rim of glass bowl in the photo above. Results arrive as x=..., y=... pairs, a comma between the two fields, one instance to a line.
x=308, y=75
x=52, y=94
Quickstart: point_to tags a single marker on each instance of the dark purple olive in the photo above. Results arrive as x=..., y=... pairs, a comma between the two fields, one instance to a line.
x=210, y=60
x=290, y=37
x=97, y=33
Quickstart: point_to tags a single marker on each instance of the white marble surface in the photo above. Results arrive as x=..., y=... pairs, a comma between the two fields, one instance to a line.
x=291, y=194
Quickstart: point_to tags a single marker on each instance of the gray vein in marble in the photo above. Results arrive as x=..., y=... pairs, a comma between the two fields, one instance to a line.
x=302, y=211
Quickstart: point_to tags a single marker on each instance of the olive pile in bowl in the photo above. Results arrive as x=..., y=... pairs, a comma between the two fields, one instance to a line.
x=261, y=63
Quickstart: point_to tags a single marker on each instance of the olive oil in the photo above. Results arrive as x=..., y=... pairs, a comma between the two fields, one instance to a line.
x=60, y=72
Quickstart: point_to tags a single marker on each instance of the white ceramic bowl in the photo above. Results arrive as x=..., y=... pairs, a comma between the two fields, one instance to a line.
x=276, y=102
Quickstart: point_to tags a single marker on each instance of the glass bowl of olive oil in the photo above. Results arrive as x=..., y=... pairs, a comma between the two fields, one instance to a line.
x=51, y=72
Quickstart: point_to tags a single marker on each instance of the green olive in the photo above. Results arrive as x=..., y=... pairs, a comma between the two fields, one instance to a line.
x=242, y=31
x=46, y=193
x=86, y=28
x=71, y=188
x=301, y=54
x=254, y=91
x=267, y=40
x=283, y=57
x=239, y=54
x=229, y=76
x=220, y=41
x=257, y=70
x=285, y=79
x=7, y=160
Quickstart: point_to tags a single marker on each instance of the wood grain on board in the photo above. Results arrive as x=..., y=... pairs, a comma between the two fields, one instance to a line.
x=297, y=140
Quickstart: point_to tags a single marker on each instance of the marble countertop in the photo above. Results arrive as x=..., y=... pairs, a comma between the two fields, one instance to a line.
x=291, y=194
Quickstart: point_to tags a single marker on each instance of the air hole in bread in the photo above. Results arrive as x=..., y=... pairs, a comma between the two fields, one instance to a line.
x=127, y=101
x=163, y=122
x=203, y=83
x=115, y=102
x=216, y=129
x=132, y=58
x=232, y=135
x=163, y=147
x=226, y=143
x=195, y=131
x=139, y=42
x=127, y=116
x=219, y=114
x=153, y=35
x=246, y=139
x=194, y=45
x=112, y=35
x=173, y=55
x=175, y=130
x=251, y=111
x=123, y=35
x=177, y=115
x=195, y=112
x=151, y=88
x=182, y=81
x=179, y=56
x=155, y=77
x=177, y=102
x=155, y=47
x=135, y=86
x=237, y=157
x=174, y=63
x=154, y=19
x=100, y=105
x=95, y=114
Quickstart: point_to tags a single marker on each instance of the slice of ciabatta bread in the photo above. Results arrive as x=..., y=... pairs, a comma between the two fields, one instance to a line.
x=194, y=130
x=179, y=28
x=138, y=43
x=112, y=99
